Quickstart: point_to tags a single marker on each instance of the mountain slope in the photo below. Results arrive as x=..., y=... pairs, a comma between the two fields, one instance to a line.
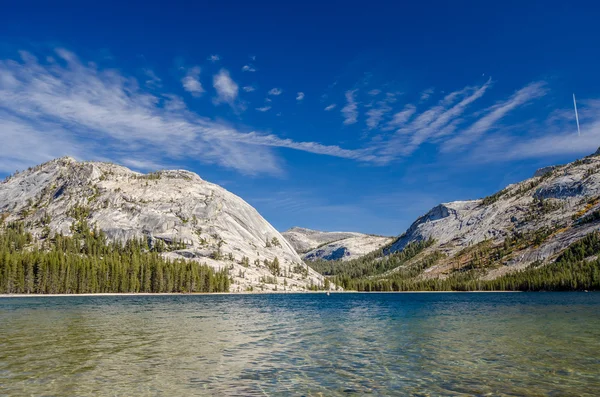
x=527, y=225
x=315, y=245
x=190, y=217
x=543, y=213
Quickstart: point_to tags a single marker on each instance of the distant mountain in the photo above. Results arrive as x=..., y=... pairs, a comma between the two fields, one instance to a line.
x=527, y=225
x=547, y=213
x=315, y=245
x=189, y=217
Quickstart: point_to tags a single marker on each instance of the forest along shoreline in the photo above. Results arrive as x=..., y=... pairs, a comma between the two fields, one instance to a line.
x=109, y=294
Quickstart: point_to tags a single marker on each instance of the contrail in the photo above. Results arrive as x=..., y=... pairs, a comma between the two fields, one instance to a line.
x=576, y=115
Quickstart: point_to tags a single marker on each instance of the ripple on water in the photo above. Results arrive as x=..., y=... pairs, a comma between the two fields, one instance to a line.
x=313, y=345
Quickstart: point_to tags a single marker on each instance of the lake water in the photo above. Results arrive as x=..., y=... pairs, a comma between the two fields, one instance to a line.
x=525, y=344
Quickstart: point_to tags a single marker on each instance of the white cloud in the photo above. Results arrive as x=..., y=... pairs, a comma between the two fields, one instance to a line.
x=378, y=111
x=451, y=97
x=248, y=88
x=153, y=80
x=448, y=125
x=143, y=164
x=214, y=58
x=264, y=109
x=173, y=103
x=495, y=113
x=429, y=125
x=227, y=89
x=50, y=110
x=25, y=144
x=300, y=96
x=330, y=107
x=350, y=111
x=426, y=94
x=275, y=91
x=556, y=135
x=248, y=68
x=390, y=97
x=375, y=115
x=77, y=108
x=374, y=92
x=400, y=118
x=564, y=141
x=191, y=82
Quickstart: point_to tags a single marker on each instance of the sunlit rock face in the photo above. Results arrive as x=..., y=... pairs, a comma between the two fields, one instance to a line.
x=315, y=244
x=177, y=207
x=556, y=198
x=543, y=171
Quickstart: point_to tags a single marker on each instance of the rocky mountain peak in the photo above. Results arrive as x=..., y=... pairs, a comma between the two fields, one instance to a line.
x=546, y=213
x=545, y=170
x=315, y=244
x=198, y=219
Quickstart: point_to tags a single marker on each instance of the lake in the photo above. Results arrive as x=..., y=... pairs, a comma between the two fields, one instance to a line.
x=346, y=344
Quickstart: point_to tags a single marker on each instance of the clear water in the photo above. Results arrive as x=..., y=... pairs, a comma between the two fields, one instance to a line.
x=538, y=344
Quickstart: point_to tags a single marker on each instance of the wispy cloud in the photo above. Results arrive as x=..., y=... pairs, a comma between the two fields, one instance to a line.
x=556, y=136
x=76, y=108
x=430, y=124
x=301, y=201
x=191, y=82
x=375, y=115
x=153, y=80
x=500, y=148
x=275, y=91
x=450, y=125
x=426, y=94
x=379, y=110
x=248, y=68
x=214, y=58
x=374, y=92
x=227, y=89
x=400, y=118
x=330, y=107
x=63, y=106
x=350, y=111
x=264, y=109
x=248, y=88
x=495, y=113
x=143, y=164
x=300, y=96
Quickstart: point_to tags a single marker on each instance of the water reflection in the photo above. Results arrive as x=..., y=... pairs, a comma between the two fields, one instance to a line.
x=345, y=344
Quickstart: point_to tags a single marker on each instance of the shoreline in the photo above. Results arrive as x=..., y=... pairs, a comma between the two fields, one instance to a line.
x=110, y=294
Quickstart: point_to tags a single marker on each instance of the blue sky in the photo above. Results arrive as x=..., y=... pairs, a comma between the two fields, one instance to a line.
x=329, y=115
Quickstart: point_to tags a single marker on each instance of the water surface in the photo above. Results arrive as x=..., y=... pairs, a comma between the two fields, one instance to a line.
x=525, y=344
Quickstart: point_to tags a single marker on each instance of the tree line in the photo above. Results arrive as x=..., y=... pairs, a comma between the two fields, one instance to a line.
x=576, y=269
x=88, y=263
x=374, y=263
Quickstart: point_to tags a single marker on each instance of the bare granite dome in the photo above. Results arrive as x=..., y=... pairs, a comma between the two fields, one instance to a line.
x=173, y=206
x=315, y=244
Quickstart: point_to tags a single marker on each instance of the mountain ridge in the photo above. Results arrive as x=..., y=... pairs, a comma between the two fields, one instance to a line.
x=191, y=217
x=319, y=245
x=525, y=226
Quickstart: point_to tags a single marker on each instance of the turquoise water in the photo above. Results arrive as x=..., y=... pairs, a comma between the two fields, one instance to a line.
x=525, y=344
